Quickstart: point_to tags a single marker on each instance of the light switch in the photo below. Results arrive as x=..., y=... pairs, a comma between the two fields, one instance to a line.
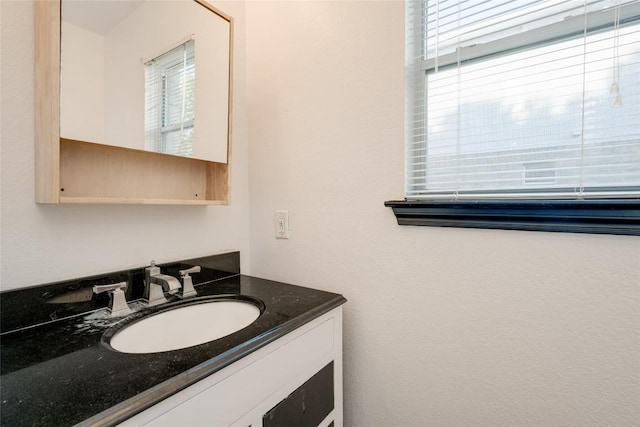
x=281, y=224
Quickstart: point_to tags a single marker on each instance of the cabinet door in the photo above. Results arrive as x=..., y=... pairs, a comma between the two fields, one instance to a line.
x=308, y=405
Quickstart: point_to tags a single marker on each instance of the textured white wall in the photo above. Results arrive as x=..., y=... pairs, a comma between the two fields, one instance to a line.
x=444, y=327
x=45, y=243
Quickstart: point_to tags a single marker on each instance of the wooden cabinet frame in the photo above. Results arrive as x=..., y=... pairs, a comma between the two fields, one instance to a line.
x=69, y=171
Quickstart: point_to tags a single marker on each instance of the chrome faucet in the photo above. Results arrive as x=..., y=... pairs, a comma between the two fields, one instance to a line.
x=118, y=305
x=156, y=284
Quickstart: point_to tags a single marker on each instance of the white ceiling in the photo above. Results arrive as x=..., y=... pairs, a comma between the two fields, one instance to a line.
x=98, y=16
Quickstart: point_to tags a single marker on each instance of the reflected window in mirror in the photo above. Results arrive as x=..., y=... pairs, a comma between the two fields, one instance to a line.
x=170, y=80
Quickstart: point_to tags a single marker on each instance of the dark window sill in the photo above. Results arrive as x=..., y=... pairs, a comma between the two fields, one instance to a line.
x=619, y=216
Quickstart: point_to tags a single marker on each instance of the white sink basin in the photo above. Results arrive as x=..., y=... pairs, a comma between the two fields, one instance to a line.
x=185, y=326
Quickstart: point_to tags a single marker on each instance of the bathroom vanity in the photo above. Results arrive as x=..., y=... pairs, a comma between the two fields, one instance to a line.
x=58, y=367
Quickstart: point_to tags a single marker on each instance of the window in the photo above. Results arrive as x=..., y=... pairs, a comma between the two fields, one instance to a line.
x=513, y=101
x=537, y=174
x=170, y=101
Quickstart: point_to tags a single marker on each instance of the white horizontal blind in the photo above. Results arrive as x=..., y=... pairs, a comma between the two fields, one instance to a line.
x=170, y=101
x=523, y=98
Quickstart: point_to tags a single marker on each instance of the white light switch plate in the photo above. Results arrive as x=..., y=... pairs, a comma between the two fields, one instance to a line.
x=281, y=224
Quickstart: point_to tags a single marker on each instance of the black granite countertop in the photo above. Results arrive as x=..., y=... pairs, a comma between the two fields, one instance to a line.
x=56, y=369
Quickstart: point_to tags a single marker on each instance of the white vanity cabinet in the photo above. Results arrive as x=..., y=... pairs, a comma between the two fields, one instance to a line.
x=282, y=375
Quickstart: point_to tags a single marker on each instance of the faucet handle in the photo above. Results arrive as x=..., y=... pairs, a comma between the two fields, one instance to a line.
x=98, y=289
x=118, y=305
x=187, y=282
x=194, y=269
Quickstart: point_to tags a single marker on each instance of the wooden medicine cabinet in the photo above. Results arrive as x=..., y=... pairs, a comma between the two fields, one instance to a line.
x=78, y=171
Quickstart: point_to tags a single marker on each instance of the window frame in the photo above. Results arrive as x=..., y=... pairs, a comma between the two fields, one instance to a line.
x=162, y=93
x=620, y=216
x=608, y=216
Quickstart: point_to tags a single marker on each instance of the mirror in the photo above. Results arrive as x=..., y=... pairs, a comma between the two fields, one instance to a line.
x=148, y=75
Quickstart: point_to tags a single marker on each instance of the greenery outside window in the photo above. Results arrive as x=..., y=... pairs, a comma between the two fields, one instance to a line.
x=523, y=114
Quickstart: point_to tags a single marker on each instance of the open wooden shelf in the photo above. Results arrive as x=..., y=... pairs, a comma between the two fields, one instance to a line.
x=95, y=173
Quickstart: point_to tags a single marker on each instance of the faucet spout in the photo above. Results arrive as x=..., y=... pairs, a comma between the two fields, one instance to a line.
x=156, y=284
x=169, y=283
